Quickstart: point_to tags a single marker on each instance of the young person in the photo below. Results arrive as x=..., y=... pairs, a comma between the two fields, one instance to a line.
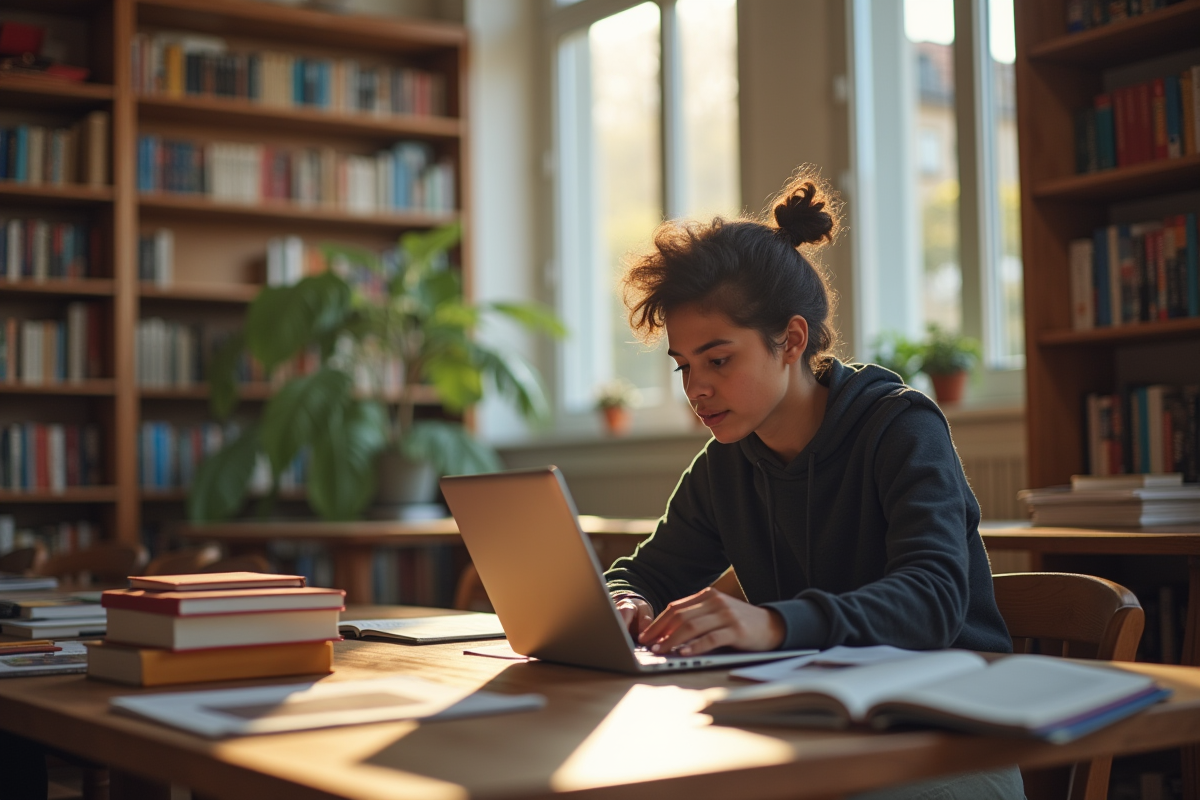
x=833, y=489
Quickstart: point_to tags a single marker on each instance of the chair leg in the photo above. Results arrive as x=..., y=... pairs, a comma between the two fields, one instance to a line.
x=1089, y=779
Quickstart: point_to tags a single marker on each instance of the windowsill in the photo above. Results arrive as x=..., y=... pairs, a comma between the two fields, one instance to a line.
x=981, y=412
x=576, y=440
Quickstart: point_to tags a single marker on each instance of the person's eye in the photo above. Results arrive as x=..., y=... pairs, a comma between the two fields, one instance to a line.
x=680, y=368
x=719, y=362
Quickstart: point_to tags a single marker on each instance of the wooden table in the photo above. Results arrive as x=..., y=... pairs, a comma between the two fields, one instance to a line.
x=600, y=736
x=352, y=544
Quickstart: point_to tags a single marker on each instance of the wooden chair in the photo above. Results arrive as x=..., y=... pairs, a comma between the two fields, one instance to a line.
x=183, y=562
x=1075, y=616
x=107, y=562
x=24, y=560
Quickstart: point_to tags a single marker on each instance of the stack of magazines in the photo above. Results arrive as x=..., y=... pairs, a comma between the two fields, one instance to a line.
x=1116, y=501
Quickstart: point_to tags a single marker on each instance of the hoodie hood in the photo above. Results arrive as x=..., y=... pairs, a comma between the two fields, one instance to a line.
x=854, y=393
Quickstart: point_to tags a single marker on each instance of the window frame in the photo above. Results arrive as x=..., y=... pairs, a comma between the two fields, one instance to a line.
x=873, y=27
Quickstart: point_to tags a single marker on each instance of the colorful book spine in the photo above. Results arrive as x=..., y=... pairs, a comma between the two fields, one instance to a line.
x=41, y=457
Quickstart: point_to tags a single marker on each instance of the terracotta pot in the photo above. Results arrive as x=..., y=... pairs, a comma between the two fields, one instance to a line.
x=617, y=419
x=949, y=388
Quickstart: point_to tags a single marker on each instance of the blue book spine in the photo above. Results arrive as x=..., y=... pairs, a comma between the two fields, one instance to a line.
x=1106, y=141
x=298, y=82
x=1100, y=276
x=21, y=159
x=1193, y=267
x=1174, y=103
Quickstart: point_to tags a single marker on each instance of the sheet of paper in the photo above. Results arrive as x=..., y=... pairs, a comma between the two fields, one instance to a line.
x=304, y=706
x=833, y=657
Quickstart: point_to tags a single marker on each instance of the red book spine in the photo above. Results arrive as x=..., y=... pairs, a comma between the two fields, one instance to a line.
x=73, y=460
x=1144, y=123
x=1158, y=109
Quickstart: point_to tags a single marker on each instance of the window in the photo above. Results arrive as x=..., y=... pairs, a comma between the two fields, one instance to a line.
x=941, y=73
x=645, y=108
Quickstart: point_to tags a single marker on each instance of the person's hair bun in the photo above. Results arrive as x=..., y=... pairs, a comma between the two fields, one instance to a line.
x=804, y=214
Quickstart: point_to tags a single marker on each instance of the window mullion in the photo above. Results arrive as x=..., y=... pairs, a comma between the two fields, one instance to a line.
x=672, y=125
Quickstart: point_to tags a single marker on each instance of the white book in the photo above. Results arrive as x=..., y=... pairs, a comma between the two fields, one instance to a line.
x=1023, y=695
x=41, y=250
x=56, y=453
x=53, y=628
x=1143, y=480
x=293, y=260
x=1083, y=315
x=12, y=259
x=31, y=351
x=295, y=707
x=164, y=257
x=36, y=155
x=274, y=262
x=221, y=630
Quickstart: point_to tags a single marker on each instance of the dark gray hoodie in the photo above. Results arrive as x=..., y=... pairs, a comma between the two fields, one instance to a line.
x=870, y=536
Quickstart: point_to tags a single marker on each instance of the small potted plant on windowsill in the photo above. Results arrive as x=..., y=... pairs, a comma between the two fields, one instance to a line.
x=947, y=358
x=895, y=351
x=614, y=401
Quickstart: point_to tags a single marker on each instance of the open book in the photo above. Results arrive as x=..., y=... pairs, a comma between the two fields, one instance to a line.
x=1038, y=696
x=425, y=630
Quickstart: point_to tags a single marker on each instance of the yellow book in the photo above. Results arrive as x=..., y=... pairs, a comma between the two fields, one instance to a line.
x=146, y=666
x=173, y=65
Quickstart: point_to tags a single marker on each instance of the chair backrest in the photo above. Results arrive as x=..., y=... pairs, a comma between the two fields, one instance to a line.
x=1077, y=616
x=107, y=562
x=183, y=562
x=23, y=560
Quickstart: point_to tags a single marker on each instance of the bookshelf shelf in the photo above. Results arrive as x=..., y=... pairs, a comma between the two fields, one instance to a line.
x=181, y=495
x=53, y=195
x=1126, y=41
x=1168, y=330
x=79, y=494
x=300, y=25
x=191, y=207
x=93, y=388
x=201, y=293
x=424, y=395
x=83, y=287
x=383, y=127
x=46, y=93
x=1153, y=177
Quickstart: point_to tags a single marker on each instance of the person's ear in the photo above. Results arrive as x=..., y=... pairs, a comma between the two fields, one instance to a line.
x=795, y=339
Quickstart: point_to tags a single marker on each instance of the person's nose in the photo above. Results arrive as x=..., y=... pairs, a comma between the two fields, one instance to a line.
x=696, y=388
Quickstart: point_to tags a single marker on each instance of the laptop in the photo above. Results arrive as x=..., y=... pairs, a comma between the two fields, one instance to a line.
x=544, y=580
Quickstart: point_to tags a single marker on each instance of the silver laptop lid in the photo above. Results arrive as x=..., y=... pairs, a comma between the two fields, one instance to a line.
x=538, y=567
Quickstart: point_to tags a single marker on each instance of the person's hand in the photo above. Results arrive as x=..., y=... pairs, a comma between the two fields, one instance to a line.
x=636, y=613
x=710, y=619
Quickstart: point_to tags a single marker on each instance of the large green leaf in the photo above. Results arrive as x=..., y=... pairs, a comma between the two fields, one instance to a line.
x=341, y=475
x=222, y=376
x=516, y=379
x=423, y=247
x=458, y=381
x=535, y=317
x=300, y=411
x=449, y=448
x=222, y=480
x=283, y=320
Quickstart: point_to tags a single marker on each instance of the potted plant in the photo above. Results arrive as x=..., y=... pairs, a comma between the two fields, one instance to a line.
x=947, y=358
x=416, y=318
x=895, y=351
x=614, y=401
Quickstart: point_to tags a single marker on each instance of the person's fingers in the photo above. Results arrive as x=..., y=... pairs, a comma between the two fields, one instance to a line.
x=690, y=630
x=722, y=637
x=676, y=612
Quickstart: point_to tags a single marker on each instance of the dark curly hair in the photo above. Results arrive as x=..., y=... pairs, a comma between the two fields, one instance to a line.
x=754, y=271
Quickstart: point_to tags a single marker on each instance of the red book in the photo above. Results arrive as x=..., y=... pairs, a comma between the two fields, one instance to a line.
x=214, y=580
x=223, y=601
x=1158, y=120
x=1143, y=123
x=17, y=38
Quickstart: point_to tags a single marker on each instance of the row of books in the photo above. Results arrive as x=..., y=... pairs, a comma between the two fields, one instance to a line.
x=53, y=351
x=1149, y=121
x=55, y=538
x=39, y=249
x=39, y=457
x=1116, y=500
x=1084, y=15
x=36, y=155
x=1144, y=429
x=178, y=65
x=156, y=257
x=168, y=457
x=405, y=177
x=168, y=353
x=1143, y=272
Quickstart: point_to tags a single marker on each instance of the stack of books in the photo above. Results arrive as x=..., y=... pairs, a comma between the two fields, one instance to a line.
x=52, y=617
x=1116, y=501
x=221, y=626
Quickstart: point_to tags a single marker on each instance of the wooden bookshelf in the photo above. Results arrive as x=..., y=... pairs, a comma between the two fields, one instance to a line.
x=423, y=395
x=1118, y=43
x=90, y=388
x=1114, y=335
x=221, y=246
x=81, y=287
x=1154, y=177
